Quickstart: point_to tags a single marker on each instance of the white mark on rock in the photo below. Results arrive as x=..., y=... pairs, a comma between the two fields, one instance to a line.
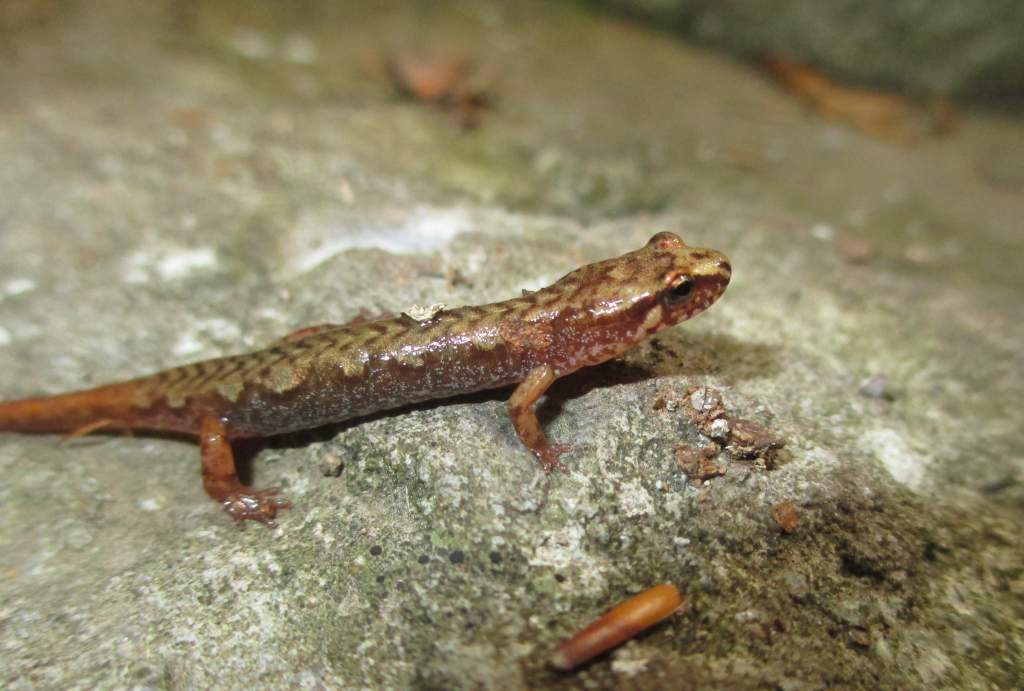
x=426, y=229
x=187, y=344
x=629, y=662
x=180, y=264
x=823, y=232
x=251, y=44
x=5, y=336
x=904, y=464
x=169, y=264
x=635, y=500
x=299, y=49
x=324, y=536
x=17, y=286
x=559, y=548
x=197, y=339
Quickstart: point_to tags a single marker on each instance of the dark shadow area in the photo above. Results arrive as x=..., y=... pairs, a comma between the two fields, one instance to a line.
x=682, y=353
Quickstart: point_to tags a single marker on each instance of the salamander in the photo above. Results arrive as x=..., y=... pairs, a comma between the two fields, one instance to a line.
x=329, y=373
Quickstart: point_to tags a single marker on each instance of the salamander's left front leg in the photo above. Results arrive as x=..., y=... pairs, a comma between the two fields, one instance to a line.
x=220, y=479
x=524, y=419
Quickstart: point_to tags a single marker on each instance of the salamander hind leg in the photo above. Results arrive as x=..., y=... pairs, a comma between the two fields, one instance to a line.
x=220, y=479
x=524, y=418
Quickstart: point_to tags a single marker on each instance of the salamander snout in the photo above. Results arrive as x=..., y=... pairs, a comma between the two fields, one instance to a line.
x=724, y=268
x=712, y=266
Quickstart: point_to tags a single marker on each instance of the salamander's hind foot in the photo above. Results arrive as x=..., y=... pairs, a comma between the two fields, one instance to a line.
x=550, y=457
x=220, y=479
x=249, y=504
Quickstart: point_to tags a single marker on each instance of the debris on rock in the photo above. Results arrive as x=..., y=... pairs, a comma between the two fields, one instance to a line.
x=330, y=464
x=856, y=250
x=455, y=85
x=877, y=387
x=743, y=439
x=697, y=463
x=750, y=440
x=666, y=399
x=889, y=116
x=786, y=516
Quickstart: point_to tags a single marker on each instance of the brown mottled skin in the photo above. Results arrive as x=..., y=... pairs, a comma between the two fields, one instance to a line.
x=330, y=373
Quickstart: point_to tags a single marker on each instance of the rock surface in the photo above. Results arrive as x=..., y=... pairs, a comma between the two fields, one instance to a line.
x=938, y=47
x=186, y=180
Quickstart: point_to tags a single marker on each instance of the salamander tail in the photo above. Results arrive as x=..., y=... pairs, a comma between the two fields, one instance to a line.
x=68, y=412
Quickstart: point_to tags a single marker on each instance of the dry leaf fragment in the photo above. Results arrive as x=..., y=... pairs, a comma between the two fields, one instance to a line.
x=884, y=115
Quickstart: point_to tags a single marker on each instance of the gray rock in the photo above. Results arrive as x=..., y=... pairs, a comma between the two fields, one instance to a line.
x=943, y=47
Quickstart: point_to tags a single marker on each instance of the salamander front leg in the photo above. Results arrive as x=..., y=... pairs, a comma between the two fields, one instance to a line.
x=220, y=479
x=524, y=418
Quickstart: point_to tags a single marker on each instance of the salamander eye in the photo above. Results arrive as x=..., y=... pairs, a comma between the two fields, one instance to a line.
x=678, y=292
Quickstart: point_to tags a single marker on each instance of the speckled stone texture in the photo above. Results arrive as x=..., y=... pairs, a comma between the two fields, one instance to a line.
x=185, y=180
x=929, y=47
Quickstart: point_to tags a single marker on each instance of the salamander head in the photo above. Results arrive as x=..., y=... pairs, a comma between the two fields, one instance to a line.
x=682, y=281
x=661, y=284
